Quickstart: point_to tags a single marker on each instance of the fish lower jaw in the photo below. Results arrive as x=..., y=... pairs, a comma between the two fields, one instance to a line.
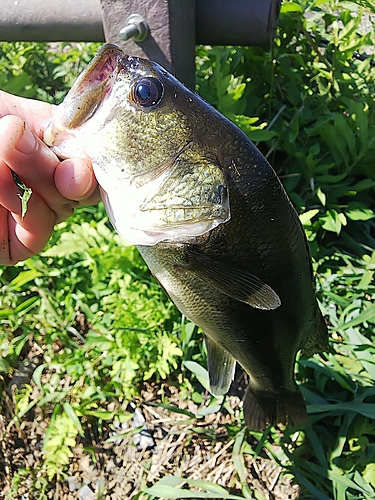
x=64, y=143
x=150, y=237
x=139, y=227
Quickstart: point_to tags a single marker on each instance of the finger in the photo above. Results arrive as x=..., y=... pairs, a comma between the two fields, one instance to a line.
x=33, y=162
x=5, y=258
x=20, y=238
x=75, y=180
x=36, y=113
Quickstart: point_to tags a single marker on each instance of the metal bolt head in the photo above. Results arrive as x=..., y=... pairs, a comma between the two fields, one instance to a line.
x=136, y=28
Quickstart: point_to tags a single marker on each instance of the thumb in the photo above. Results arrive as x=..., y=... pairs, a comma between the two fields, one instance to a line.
x=75, y=180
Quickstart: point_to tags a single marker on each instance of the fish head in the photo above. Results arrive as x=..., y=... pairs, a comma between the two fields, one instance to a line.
x=141, y=129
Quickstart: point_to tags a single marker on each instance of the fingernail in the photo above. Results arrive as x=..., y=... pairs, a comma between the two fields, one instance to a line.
x=27, y=141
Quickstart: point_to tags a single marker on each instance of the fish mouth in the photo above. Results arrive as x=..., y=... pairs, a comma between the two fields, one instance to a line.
x=85, y=97
x=92, y=86
x=99, y=71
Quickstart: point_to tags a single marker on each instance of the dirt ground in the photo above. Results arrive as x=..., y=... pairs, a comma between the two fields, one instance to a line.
x=113, y=467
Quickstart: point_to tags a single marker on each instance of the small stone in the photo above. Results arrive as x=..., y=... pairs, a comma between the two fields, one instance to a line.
x=86, y=493
x=144, y=440
x=73, y=483
x=138, y=419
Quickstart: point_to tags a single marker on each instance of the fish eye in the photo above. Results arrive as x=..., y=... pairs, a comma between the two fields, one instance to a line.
x=147, y=92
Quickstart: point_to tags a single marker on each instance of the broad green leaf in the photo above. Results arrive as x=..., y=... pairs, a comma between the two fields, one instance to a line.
x=359, y=214
x=19, y=85
x=177, y=493
x=101, y=414
x=336, y=476
x=317, y=446
x=290, y=7
x=173, y=481
x=306, y=217
x=26, y=306
x=258, y=135
x=365, y=409
x=238, y=458
x=331, y=179
x=208, y=486
x=369, y=475
x=322, y=197
x=213, y=407
x=365, y=485
x=174, y=409
x=331, y=221
x=366, y=280
x=170, y=487
x=310, y=485
x=23, y=277
x=73, y=417
x=200, y=372
x=38, y=374
x=5, y=313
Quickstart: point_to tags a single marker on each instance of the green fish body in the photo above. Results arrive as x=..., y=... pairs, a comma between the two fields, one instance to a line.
x=210, y=217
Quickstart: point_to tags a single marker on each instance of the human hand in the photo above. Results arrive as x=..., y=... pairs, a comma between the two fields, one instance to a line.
x=57, y=187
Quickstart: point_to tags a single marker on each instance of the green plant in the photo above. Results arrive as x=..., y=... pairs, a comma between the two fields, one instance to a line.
x=40, y=70
x=312, y=105
x=99, y=327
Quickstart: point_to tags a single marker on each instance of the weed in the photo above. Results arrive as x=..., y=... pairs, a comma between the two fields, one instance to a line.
x=97, y=326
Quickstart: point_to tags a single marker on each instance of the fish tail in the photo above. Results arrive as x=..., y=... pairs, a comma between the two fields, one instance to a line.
x=263, y=408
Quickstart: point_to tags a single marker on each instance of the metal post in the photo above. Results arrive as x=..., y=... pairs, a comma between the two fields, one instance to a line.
x=175, y=25
x=171, y=41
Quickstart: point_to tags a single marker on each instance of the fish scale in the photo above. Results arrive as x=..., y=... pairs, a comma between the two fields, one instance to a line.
x=209, y=216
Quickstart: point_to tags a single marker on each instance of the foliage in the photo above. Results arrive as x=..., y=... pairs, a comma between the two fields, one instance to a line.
x=90, y=271
x=40, y=70
x=99, y=323
x=311, y=106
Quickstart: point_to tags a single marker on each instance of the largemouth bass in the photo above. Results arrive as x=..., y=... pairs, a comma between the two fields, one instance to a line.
x=210, y=217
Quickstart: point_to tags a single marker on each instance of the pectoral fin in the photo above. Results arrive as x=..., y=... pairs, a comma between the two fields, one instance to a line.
x=221, y=367
x=237, y=283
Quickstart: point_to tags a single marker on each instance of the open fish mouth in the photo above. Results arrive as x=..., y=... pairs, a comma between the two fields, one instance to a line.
x=86, y=96
x=99, y=72
x=92, y=86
